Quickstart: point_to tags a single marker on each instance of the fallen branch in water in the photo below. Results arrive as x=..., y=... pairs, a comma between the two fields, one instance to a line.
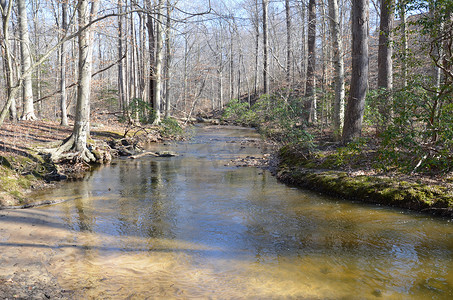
x=143, y=154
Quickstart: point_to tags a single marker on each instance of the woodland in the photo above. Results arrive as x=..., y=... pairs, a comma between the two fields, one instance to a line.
x=370, y=79
x=353, y=97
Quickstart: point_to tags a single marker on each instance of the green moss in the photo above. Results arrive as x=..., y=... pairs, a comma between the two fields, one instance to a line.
x=372, y=189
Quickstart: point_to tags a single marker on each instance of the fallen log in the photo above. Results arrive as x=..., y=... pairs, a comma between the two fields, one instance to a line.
x=143, y=154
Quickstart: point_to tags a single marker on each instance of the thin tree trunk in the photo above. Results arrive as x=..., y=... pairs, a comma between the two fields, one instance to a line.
x=265, y=47
x=385, y=63
x=167, y=60
x=231, y=90
x=81, y=129
x=359, y=79
x=121, y=88
x=310, y=102
x=63, y=95
x=152, y=60
x=402, y=6
x=159, y=55
x=257, y=45
x=27, y=92
x=288, y=42
x=10, y=104
x=338, y=111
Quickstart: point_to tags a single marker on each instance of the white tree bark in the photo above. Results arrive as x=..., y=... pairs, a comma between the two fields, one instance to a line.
x=7, y=57
x=25, y=53
x=77, y=142
x=159, y=56
x=337, y=43
x=63, y=95
x=167, y=59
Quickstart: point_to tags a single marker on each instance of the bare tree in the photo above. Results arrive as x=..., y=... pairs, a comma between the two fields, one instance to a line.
x=77, y=142
x=402, y=10
x=167, y=59
x=25, y=54
x=359, y=78
x=385, y=63
x=337, y=44
x=310, y=104
x=63, y=95
x=288, y=41
x=6, y=9
x=159, y=56
x=265, y=47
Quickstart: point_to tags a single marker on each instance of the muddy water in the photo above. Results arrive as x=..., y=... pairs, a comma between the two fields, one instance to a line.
x=195, y=227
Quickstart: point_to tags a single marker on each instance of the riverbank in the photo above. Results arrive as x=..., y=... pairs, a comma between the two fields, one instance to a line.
x=24, y=167
x=353, y=176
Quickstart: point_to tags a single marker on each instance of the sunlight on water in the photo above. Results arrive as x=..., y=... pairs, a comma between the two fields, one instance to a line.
x=194, y=227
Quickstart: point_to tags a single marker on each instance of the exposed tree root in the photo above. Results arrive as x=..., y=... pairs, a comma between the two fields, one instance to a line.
x=29, y=117
x=67, y=151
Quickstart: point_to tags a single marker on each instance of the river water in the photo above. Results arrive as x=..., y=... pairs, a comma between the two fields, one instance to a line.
x=195, y=226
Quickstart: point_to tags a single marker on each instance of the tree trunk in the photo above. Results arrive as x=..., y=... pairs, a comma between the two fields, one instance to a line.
x=385, y=63
x=338, y=107
x=27, y=92
x=167, y=60
x=152, y=60
x=10, y=104
x=78, y=140
x=359, y=78
x=63, y=95
x=310, y=102
x=402, y=6
x=81, y=129
x=288, y=42
x=265, y=48
x=257, y=46
x=159, y=55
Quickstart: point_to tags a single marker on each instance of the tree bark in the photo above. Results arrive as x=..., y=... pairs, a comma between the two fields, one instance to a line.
x=337, y=43
x=78, y=140
x=310, y=112
x=359, y=78
x=385, y=63
x=7, y=57
x=63, y=95
x=27, y=92
x=159, y=55
x=265, y=47
x=402, y=7
x=167, y=60
x=288, y=42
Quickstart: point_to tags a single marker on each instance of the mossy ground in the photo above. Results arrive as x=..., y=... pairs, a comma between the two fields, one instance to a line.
x=338, y=173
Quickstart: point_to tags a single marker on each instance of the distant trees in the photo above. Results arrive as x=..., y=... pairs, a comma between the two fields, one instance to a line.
x=297, y=50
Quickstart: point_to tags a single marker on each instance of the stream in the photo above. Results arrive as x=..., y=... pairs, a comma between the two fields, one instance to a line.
x=196, y=226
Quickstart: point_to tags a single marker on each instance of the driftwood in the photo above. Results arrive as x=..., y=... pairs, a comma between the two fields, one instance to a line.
x=143, y=154
x=156, y=154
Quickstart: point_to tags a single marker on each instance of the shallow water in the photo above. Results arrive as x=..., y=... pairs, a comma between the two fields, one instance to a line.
x=195, y=227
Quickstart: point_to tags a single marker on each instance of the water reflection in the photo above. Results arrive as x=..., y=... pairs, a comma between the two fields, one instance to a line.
x=193, y=227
